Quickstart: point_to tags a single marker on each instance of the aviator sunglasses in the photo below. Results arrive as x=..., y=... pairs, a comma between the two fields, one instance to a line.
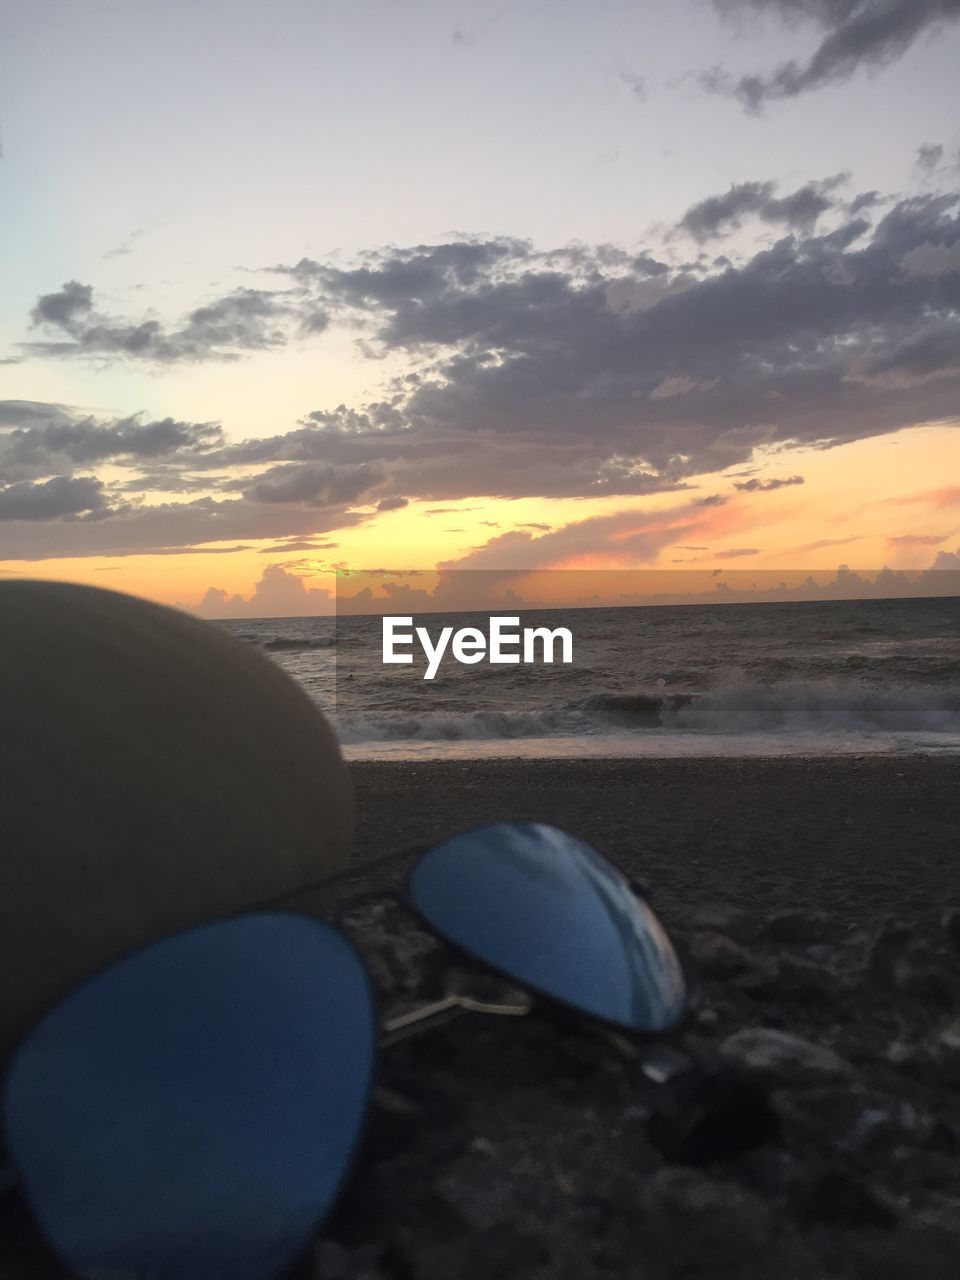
x=192, y=1111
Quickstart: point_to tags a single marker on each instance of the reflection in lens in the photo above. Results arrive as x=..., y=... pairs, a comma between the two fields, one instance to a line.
x=549, y=910
x=190, y=1113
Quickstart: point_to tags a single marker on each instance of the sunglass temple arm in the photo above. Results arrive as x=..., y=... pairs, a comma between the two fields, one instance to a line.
x=443, y=1010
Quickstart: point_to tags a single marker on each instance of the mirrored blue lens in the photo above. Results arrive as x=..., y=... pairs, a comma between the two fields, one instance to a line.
x=548, y=910
x=190, y=1113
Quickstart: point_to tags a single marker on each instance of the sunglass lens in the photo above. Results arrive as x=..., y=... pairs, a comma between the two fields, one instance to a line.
x=190, y=1113
x=550, y=911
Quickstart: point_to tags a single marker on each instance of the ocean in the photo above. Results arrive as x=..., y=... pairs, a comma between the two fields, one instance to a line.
x=765, y=679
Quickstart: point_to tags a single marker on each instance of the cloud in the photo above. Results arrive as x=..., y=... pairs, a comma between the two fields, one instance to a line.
x=929, y=155
x=237, y=323
x=314, y=485
x=157, y=529
x=917, y=539
x=856, y=34
x=125, y=247
x=865, y=200
x=625, y=537
x=66, y=309
x=585, y=371
x=946, y=497
x=636, y=84
x=532, y=376
x=736, y=553
x=932, y=260
x=278, y=594
x=467, y=37
x=20, y=413
x=53, y=499
x=765, y=486
x=392, y=504
x=799, y=210
x=57, y=442
x=822, y=543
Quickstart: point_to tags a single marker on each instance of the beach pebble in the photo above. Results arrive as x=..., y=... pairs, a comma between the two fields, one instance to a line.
x=801, y=980
x=721, y=917
x=886, y=948
x=951, y=927
x=850, y=1119
x=945, y=1052
x=919, y=972
x=477, y=1193
x=157, y=773
x=779, y=1055
x=717, y=956
x=798, y=927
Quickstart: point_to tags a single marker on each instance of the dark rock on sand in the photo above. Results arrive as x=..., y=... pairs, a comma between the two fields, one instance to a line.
x=780, y=1056
x=800, y=927
x=720, y=957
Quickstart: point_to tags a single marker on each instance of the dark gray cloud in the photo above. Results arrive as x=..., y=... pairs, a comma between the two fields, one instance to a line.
x=856, y=34
x=66, y=309
x=636, y=84
x=61, y=443
x=393, y=504
x=573, y=373
x=566, y=375
x=929, y=155
x=799, y=210
x=239, y=322
x=54, y=499
x=40, y=441
x=165, y=528
x=48, y=514
x=636, y=383
x=23, y=413
x=312, y=485
x=766, y=486
x=865, y=200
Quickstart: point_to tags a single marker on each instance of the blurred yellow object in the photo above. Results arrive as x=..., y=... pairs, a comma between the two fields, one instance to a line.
x=154, y=772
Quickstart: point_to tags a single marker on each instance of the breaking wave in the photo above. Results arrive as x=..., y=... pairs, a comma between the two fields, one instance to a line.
x=797, y=706
x=289, y=644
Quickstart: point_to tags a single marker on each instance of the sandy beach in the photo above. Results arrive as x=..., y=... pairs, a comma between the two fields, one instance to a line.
x=809, y=1123
x=815, y=1126
x=862, y=837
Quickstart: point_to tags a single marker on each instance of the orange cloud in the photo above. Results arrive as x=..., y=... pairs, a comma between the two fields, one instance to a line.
x=947, y=497
x=917, y=539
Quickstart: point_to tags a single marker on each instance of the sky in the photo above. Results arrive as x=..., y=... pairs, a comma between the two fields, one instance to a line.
x=303, y=287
